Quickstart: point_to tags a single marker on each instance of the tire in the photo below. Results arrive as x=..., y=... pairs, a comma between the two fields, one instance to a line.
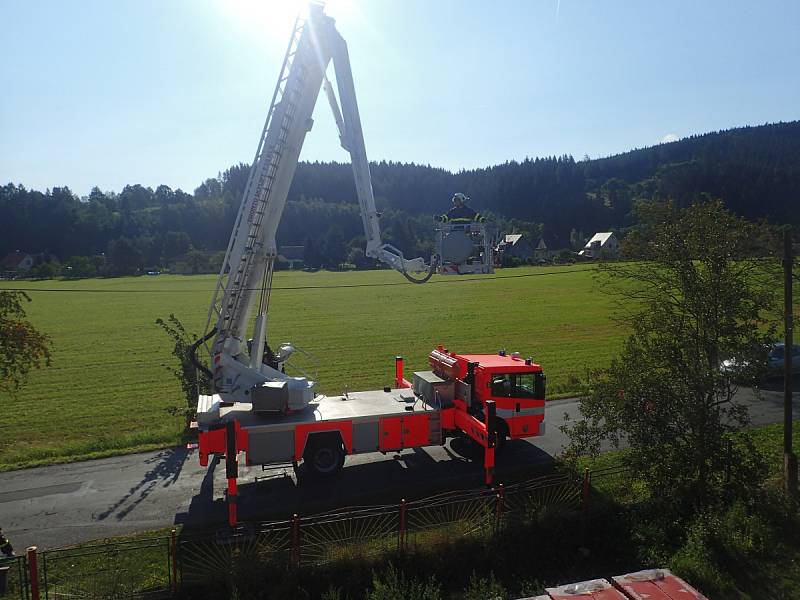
x=324, y=457
x=502, y=436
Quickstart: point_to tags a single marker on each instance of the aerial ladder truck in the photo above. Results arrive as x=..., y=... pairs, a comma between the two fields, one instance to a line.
x=272, y=417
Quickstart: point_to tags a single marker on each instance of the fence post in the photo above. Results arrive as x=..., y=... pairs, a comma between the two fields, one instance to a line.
x=401, y=537
x=295, y=558
x=587, y=476
x=499, y=507
x=173, y=544
x=33, y=572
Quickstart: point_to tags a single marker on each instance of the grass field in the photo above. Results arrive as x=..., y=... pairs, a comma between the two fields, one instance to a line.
x=107, y=390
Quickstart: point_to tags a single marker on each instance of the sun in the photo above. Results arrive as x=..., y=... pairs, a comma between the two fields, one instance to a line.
x=275, y=17
x=269, y=18
x=340, y=8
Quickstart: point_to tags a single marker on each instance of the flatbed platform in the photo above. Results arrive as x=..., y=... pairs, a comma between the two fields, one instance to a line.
x=355, y=406
x=367, y=421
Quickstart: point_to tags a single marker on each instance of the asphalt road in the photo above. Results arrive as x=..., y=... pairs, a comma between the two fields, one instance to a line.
x=67, y=504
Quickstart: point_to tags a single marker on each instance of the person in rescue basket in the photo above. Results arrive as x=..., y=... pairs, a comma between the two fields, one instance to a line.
x=460, y=212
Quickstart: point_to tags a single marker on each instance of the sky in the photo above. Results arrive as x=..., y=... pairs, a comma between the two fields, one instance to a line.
x=108, y=93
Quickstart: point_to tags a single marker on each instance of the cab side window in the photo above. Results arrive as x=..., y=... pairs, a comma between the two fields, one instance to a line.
x=502, y=386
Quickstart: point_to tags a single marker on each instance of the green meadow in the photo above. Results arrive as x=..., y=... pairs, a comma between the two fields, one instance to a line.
x=107, y=390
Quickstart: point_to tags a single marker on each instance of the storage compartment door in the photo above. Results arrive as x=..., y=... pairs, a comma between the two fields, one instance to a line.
x=391, y=436
x=415, y=431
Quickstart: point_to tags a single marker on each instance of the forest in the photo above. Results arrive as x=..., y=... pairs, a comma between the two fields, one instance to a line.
x=754, y=170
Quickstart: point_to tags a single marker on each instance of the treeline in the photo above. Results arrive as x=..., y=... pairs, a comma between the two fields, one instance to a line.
x=755, y=170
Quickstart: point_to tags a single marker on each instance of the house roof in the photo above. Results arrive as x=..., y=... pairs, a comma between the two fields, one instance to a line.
x=599, y=237
x=13, y=259
x=512, y=238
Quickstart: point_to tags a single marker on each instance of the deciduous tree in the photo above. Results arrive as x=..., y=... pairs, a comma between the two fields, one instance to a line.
x=22, y=347
x=697, y=294
x=124, y=256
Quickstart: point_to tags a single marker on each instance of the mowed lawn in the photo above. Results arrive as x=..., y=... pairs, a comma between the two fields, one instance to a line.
x=108, y=391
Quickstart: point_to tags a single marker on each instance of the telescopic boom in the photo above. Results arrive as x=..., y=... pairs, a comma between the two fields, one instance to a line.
x=246, y=275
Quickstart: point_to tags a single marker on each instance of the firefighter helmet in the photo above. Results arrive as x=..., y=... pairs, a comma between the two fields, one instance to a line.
x=459, y=198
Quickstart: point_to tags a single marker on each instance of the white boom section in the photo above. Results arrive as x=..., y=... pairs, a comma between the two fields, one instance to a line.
x=250, y=258
x=352, y=139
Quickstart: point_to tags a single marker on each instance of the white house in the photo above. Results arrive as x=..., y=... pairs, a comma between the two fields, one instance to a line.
x=602, y=245
x=514, y=244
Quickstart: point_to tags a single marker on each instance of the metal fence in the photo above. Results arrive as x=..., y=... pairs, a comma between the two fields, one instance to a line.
x=363, y=532
x=134, y=569
x=13, y=578
x=156, y=567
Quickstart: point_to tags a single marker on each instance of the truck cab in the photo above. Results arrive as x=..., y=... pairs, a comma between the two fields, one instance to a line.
x=516, y=385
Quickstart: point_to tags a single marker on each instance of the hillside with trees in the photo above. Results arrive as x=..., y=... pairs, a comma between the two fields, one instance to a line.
x=755, y=170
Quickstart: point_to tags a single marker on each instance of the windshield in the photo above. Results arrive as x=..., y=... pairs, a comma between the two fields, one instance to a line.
x=518, y=385
x=778, y=352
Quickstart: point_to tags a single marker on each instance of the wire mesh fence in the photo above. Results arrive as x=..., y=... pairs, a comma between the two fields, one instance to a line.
x=201, y=559
x=616, y=481
x=538, y=499
x=448, y=516
x=13, y=579
x=156, y=567
x=132, y=569
x=349, y=534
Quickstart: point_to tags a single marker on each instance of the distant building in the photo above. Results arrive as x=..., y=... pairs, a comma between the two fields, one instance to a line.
x=514, y=245
x=18, y=262
x=602, y=245
x=292, y=256
x=546, y=247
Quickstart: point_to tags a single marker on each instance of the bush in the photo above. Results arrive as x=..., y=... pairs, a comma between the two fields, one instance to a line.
x=695, y=561
x=484, y=588
x=193, y=381
x=740, y=548
x=393, y=584
x=512, y=261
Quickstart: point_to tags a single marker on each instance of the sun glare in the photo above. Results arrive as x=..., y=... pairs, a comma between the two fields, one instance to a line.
x=340, y=8
x=270, y=18
x=275, y=17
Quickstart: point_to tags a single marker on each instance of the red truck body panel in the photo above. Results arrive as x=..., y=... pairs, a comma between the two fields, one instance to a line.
x=499, y=363
x=302, y=431
x=409, y=431
x=415, y=431
x=391, y=433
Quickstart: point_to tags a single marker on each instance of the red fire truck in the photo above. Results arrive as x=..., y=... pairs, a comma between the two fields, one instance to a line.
x=487, y=397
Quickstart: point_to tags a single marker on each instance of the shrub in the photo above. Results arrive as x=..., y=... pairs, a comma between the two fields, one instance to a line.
x=393, y=584
x=484, y=588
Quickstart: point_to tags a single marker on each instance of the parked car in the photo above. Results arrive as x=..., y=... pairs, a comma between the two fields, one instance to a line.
x=775, y=359
x=737, y=370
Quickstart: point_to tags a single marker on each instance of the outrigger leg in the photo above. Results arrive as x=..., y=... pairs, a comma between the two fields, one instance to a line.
x=231, y=471
x=491, y=440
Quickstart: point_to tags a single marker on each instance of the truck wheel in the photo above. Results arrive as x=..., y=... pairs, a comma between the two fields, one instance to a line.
x=324, y=457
